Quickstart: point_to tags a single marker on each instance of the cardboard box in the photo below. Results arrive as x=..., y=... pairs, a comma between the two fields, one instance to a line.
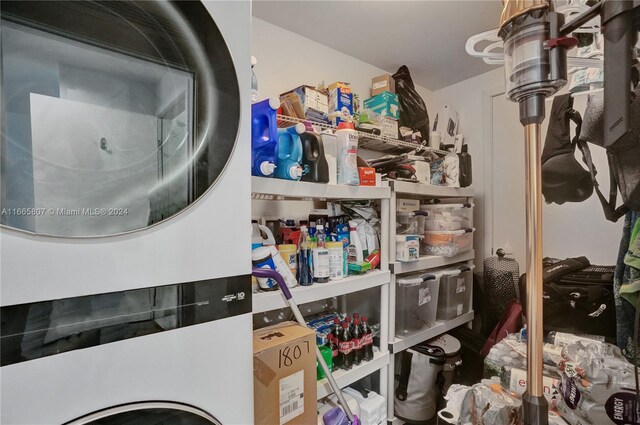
x=389, y=127
x=340, y=103
x=385, y=103
x=284, y=375
x=383, y=83
x=446, y=123
x=367, y=176
x=407, y=205
x=306, y=102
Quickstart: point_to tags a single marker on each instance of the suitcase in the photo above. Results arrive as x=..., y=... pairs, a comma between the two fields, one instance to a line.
x=578, y=298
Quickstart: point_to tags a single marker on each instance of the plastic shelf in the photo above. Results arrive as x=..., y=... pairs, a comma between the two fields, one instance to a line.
x=400, y=344
x=429, y=262
x=266, y=301
x=345, y=378
x=288, y=189
x=426, y=190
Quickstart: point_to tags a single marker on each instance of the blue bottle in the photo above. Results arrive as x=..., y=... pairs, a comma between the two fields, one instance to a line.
x=289, y=152
x=264, y=137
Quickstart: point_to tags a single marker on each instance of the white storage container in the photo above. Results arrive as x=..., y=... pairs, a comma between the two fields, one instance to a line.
x=407, y=248
x=448, y=216
x=406, y=223
x=416, y=302
x=447, y=243
x=454, y=296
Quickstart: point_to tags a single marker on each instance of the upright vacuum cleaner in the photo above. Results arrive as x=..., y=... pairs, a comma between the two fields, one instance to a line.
x=535, y=57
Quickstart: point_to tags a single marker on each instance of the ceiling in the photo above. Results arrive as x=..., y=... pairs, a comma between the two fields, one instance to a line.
x=428, y=36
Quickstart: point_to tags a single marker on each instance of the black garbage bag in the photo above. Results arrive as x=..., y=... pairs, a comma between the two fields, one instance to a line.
x=413, y=110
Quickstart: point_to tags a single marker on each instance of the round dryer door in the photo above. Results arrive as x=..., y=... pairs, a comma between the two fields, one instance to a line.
x=116, y=115
x=149, y=413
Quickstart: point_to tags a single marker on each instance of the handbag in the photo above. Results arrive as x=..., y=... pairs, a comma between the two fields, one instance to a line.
x=511, y=322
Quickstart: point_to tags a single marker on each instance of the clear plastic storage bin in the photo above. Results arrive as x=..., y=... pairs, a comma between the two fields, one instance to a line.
x=447, y=243
x=416, y=302
x=448, y=216
x=454, y=297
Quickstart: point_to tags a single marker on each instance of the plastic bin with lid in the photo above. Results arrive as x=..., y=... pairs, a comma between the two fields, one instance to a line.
x=406, y=223
x=448, y=216
x=447, y=243
x=416, y=302
x=455, y=292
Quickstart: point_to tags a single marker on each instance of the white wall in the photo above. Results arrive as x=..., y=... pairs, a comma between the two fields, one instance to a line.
x=569, y=229
x=287, y=60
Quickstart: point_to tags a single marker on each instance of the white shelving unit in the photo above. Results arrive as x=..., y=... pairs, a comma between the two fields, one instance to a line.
x=427, y=191
x=273, y=189
x=266, y=301
x=399, y=344
x=345, y=378
x=400, y=189
x=430, y=262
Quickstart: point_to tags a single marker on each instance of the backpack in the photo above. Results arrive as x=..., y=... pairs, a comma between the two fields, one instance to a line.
x=565, y=180
x=623, y=156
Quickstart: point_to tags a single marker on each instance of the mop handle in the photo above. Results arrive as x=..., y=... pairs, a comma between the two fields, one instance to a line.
x=270, y=273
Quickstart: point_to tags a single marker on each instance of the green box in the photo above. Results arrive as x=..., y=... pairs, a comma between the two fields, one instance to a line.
x=385, y=104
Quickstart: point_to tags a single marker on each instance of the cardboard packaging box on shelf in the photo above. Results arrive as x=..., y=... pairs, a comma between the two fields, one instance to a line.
x=446, y=123
x=367, y=176
x=388, y=126
x=306, y=102
x=385, y=103
x=382, y=83
x=340, y=102
x=284, y=374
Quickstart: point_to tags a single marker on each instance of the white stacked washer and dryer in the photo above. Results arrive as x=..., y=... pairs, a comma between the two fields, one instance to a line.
x=125, y=287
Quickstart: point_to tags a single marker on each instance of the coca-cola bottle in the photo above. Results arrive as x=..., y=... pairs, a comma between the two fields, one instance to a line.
x=358, y=346
x=355, y=317
x=335, y=353
x=367, y=339
x=346, y=348
x=336, y=328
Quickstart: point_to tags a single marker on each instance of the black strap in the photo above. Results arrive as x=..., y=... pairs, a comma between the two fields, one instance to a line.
x=611, y=213
x=403, y=377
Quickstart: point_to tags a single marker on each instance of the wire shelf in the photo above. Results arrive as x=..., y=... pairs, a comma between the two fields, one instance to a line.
x=368, y=140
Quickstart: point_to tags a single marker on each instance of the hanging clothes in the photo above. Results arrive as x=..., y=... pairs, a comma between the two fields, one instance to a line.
x=626, y=283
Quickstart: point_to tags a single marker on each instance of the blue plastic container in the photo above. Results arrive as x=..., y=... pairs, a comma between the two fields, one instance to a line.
x=264, y=137
x=290, y=152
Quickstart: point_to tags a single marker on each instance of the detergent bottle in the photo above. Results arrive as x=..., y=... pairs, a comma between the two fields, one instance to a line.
x=289, y=152
x=347, y=142
x=264, y=137
x=314, y=162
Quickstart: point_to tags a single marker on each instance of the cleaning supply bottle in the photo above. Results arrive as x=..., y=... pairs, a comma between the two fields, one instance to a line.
x=282, y=267
x=314, y=162
x=354, y=250
x=264, y=137
x=257, y=232
x=289, y=152
x=347, y=142
x=305, y=274
x=254, y=81
x=321, y=262
x=466, y=176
